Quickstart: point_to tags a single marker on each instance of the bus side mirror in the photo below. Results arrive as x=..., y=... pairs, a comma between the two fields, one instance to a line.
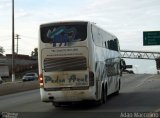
x=122, y=64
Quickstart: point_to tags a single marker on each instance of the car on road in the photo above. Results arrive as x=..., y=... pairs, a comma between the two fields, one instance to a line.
x=1, y=80
x=30, y=77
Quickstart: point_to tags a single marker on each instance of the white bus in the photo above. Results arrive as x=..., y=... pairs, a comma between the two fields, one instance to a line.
x=78, y=61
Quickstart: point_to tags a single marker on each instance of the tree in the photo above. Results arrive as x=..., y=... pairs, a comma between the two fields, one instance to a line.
x=1, y=50
x=34, y=53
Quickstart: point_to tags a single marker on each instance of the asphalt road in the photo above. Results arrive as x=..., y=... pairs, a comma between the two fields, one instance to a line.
x=139, y=93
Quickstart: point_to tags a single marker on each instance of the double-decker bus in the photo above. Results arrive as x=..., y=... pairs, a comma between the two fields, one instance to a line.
x=78, y=61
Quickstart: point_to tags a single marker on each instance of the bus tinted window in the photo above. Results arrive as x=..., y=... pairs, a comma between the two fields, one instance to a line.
x=113, y=44
x=63, y=32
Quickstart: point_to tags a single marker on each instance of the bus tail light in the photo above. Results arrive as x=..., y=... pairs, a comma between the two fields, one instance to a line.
x=41, y=81
x=91, y=78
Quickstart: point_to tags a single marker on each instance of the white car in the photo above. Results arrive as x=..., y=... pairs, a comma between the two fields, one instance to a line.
x=30, y=77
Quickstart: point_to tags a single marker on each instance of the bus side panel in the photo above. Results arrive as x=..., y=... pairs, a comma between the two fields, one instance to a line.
x=99, y=56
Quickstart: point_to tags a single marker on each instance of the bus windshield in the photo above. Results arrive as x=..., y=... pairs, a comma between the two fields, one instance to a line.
x=63, y=32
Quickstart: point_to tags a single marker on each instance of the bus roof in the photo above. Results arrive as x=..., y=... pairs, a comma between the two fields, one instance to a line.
x=63, y=22
x=74, y=21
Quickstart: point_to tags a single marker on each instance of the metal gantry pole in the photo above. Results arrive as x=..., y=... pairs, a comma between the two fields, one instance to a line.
x=13, y=53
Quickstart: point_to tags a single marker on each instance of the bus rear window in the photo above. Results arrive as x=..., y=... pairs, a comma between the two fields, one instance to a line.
x=63, y=32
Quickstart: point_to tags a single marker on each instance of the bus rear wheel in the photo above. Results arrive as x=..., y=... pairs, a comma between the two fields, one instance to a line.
x=103, y=97
x=105, y=92
x=56, y=104
x=119, y=86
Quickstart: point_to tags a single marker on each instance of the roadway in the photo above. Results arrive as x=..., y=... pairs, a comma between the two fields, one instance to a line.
x=139, y=93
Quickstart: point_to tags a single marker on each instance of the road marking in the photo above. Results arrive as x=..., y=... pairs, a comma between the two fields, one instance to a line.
x=142, y=82
x=157, y=110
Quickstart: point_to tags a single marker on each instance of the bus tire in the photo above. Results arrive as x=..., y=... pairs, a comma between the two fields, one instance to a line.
x=106, y=92
x=119, y=86
x=56, y=104
x=102, y=99
x=103, y=95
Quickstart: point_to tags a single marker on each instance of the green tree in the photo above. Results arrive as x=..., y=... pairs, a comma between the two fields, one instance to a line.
x=34, y=53
x=1, y=50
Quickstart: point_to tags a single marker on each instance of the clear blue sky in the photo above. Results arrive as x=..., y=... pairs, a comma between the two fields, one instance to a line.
x=127, y=19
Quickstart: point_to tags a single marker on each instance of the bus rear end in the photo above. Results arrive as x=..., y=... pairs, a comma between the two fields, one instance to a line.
x=63, y=62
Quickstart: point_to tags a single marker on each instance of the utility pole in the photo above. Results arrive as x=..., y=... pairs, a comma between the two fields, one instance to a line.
x=17, y=37
x=13, y=54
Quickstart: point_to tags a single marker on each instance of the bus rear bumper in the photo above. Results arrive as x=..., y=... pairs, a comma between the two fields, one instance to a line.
x=67, y=96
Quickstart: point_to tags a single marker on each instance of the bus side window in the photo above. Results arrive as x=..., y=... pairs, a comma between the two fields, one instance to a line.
x=113, y=44
x=92, y=31
x=105, y=44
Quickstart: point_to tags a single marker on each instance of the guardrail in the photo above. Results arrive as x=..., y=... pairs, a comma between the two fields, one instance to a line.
x=10, y=87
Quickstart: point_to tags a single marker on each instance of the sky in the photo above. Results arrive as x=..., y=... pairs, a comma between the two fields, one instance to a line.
x=127, y=19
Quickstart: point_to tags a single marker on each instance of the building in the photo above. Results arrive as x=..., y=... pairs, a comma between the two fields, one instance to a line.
x=22, y=63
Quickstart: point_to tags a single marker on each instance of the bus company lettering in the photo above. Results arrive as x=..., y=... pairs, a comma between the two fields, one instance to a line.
x=71, y=79
x=57, y=80
x=65, y=52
